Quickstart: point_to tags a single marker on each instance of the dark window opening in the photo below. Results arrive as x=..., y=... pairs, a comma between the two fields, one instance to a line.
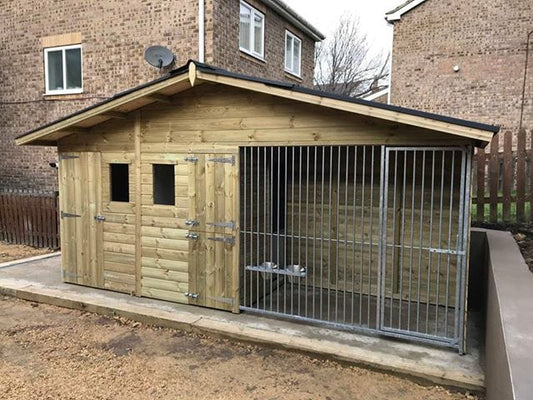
x=164, y=190
x=120, y=182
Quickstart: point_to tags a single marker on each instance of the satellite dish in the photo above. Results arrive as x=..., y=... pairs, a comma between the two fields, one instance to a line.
x=158, y=56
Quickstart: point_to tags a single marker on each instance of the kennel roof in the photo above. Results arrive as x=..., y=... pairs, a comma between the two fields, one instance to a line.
x=194, y=73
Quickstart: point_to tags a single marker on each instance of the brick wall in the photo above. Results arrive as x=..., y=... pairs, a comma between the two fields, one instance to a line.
x=114, y=36
x=226, y=44
x=486, y=39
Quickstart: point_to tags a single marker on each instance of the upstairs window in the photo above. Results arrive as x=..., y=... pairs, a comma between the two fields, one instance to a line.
x=252, y=31
x=63, y=72
x=293, y=54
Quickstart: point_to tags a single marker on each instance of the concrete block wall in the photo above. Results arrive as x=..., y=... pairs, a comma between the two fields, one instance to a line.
x=114, y=35
x=508, y=340
x=486, y=39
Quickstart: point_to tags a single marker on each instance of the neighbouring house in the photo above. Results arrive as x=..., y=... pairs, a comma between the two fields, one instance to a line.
x=240, y=193
x=472, y=59
x=59, y=57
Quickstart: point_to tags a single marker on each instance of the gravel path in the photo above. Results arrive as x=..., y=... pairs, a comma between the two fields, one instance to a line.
x=53, y=353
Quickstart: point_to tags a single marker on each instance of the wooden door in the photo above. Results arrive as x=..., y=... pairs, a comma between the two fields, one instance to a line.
x=79, y=197
x=213, y=223
x=117, y=219
x=164, y=245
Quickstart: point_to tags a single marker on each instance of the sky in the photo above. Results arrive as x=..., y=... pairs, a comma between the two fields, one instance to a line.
x=324, y=15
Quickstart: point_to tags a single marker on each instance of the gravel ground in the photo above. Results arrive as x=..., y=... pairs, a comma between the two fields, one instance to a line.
x=10, y=252
x=53, y=353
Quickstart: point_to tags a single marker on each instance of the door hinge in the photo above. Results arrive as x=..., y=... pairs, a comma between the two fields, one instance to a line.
x=227, y=300
x=99, y=218
x=227, y=160
x=191, y=159
x=67, y=157
x=230, y=224
x=191, y=222
x=192, y=295
x=68, y=215
x=193, y=236
x=228, y=240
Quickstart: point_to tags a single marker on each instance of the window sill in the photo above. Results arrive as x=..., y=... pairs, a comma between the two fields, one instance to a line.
x=251, y=57
x=64, y=96
x=292, y=76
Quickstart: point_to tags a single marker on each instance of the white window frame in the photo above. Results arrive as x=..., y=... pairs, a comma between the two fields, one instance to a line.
x=64, y=59
x=292, y=71
x=251, y=34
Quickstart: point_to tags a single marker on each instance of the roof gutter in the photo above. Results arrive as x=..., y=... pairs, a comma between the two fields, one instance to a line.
x=292, y=16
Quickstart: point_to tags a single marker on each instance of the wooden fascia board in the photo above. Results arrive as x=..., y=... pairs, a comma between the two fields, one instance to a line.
x=397, y=15
x=160, y=98
x=361, y=109
x=103, y=109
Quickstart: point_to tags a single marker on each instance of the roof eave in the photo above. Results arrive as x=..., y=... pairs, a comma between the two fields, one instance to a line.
x=294, y=18
x=194, y=73
x=396, y=14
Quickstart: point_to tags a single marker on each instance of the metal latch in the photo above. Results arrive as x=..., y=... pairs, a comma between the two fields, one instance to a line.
x=192, y=295
x=99, y=218
x=228, y=240
x=446, y=251
x=191, y=222
x=193, y=236
x=227, y=160
x=191, y=159
x=230, y=224
x=68, y=215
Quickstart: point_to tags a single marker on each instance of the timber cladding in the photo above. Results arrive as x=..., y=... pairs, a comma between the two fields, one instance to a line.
x=186, y=248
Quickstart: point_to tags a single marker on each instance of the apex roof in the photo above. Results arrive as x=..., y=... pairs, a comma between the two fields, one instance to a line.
x=194, y=73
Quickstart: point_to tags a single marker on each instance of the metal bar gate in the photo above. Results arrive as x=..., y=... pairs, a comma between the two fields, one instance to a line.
x=371, y=238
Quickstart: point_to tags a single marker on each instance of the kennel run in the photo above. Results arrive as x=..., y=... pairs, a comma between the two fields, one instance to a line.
x=237, y=193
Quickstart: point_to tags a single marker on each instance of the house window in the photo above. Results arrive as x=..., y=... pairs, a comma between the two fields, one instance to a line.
x=120, y=182
x=164, y=186
x=293, y=54
x=252, y=31
x=63, y=71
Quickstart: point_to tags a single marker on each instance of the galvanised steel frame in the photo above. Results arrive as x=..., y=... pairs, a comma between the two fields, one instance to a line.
x=367, y=238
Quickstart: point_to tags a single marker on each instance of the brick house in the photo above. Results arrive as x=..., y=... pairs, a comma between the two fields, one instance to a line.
x=57, y=59
x=472, y=59
x=466, y=59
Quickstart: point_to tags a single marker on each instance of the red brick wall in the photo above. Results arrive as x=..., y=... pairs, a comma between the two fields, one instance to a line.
x=226, y=44
x=114, y=37
x=486, y=39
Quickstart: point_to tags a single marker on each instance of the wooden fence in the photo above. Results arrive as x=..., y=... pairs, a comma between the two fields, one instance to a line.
x=29, y=217
x=503, y=181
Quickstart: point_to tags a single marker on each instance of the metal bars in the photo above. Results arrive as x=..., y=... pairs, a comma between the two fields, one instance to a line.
x=423, y=277
x=362, y=237
x=310, y=232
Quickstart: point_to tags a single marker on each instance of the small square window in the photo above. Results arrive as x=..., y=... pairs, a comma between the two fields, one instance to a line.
x=164, y=185
x=63, y=70
x=251, y=30
x=293, y=54
x=120, y=182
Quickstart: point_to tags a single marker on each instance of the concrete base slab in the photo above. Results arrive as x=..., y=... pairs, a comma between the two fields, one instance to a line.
x=40, y=281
